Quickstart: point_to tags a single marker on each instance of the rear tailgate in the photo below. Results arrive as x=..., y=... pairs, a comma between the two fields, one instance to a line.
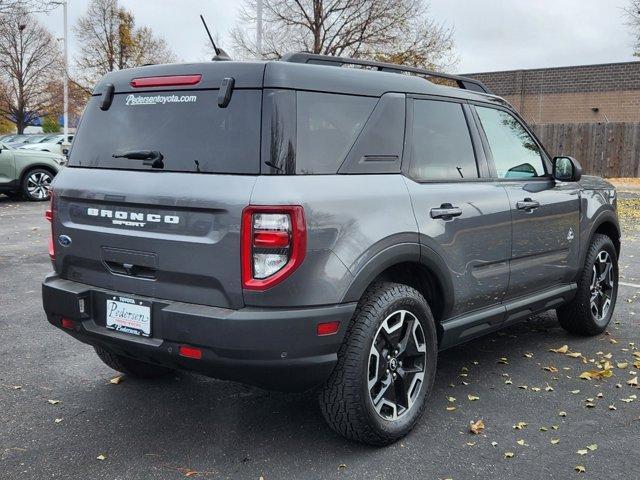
x=172, y=232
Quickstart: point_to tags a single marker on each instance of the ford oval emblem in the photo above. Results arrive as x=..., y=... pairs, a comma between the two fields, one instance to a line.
x=64, y=240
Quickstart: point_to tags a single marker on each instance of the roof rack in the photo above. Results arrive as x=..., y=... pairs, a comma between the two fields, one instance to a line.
x=315, y=59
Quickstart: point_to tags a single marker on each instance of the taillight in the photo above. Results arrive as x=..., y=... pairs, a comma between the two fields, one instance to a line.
x=274, y=242
x=48, y=214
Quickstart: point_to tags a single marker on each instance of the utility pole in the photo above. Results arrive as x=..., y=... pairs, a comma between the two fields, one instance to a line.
x=259, y=29
x=65, y=77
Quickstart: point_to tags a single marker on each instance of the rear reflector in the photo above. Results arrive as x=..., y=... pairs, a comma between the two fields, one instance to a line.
x=271, y=239
x=328, y=328
x=48, y=214
x=68, y=324
x=190, y=352
x=166, y=81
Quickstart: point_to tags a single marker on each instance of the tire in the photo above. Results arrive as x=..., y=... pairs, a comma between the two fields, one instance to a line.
x=36, y=183
x=580, y=316
x=346, y=399
x=129, y=366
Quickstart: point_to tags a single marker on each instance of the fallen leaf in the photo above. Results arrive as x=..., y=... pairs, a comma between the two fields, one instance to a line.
x=503, y=361
x=596, y=374
x=550, y=368
x=451, y=408
x=522, y=443
x=58, y=420
x=633, y=382
x=528, y=355
x=579, y=469
x=494, y=444
x=562, y=414
x=476, y=427
x=592, y=447
x=471, y=444
x=341, y=466
x=544, y=429
x=612, y=407
x=53, y=402
x=520, y=425
x=451, y=399
x=508, y=382
x=582, y=452
x=575, y=391
x=622, y=365
x=523, y=387
x=472, y=398
x=17, y=387
x=574, y=354
x=535, y=389
x=508, y=454
x=562, y=349
x=101, y=457
x=117, y=380
x=555, y=441
x=549, y=388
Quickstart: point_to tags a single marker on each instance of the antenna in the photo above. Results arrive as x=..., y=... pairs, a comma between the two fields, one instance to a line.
x=220, y=53
x=210, y=37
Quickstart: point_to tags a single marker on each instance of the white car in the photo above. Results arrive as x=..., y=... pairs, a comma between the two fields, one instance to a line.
x=50, y=145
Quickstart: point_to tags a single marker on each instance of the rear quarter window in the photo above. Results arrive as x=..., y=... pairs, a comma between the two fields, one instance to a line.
x=309, y=132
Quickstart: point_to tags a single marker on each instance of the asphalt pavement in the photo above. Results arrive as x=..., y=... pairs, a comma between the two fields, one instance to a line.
x=61, y=418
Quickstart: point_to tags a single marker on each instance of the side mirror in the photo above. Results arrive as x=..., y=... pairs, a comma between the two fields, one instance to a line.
x=566, y=169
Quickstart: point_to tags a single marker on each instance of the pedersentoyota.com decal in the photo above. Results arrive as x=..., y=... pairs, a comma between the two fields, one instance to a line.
x=159, y=99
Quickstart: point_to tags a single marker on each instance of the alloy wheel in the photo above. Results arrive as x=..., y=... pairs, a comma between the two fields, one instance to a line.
x=38, y=185
x=397, y=362
x=602, y=286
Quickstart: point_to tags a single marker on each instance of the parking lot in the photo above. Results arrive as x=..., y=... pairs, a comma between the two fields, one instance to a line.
x=61, y=417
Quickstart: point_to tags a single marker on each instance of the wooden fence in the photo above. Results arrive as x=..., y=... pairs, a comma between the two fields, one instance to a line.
x=604, y=149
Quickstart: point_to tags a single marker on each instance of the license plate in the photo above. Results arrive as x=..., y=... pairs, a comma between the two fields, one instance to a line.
x=128, y=315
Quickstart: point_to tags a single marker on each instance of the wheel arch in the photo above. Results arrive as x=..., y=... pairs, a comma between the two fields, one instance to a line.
x=406, y=263
x=33, y=166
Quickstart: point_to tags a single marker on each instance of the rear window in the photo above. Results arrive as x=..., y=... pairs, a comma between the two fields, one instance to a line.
x=309, y=132
x=187, y=127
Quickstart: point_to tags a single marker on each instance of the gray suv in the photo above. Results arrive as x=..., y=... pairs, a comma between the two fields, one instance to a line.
x=318, y=222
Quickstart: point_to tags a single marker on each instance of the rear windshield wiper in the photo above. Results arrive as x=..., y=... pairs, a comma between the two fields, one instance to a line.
x=151, y=158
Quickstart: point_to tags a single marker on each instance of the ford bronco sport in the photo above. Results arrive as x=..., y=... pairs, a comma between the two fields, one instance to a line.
x=297, y=225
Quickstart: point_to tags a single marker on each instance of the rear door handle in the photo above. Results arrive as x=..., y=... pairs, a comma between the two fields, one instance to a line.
x=527, y=205
x=446, y=212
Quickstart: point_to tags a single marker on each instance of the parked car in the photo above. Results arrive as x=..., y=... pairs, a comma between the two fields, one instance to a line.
x=297, y=225
x=28, y=139
x=27, y=173
x=48, y=144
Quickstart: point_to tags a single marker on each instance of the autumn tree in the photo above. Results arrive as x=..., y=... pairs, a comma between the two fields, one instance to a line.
x=399, y=31
x=29, y=59
x=633, y=19
x=109, y=40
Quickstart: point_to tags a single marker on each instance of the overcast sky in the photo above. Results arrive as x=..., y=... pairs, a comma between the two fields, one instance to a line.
x=490, y=34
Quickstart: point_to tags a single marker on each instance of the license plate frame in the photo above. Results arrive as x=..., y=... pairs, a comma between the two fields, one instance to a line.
x=128, y=315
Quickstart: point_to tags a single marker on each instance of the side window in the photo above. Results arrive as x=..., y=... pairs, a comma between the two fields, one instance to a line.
x=515, y=153
x=327, y=127
x=442, y=148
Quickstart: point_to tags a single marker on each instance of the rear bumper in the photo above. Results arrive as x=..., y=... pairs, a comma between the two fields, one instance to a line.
x=271, y=348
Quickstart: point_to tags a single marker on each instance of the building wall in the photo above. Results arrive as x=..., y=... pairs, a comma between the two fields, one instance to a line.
x=582, y=94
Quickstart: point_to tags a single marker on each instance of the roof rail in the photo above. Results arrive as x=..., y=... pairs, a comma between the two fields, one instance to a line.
x=315, y=59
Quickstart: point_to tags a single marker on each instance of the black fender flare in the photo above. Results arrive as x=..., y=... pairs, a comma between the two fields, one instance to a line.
x=401, y=253
x=605, y=216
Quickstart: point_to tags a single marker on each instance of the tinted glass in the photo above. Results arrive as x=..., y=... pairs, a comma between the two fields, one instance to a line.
x=442, y=148
x=311, y=133
x=187, y=127
x=515, y=153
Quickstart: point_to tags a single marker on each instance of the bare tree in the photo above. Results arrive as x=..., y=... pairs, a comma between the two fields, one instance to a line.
x=29, y=59
x=392, y=30
x=9, y=7
x=633, y=19
x=110, y=41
